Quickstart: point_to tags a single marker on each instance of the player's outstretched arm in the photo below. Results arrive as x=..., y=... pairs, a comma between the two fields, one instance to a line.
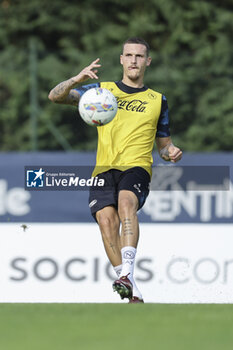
x=64, y=92
x=167, y=150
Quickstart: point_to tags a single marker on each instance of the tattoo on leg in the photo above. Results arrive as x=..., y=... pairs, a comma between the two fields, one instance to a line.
x=127, y=227
x=113, y=248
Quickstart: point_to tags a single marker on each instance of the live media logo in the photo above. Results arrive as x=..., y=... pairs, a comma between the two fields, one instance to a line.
x=60, y=178
x=35, y=178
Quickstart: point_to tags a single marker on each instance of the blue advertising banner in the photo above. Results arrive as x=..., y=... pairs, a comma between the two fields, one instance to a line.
x=53, y=187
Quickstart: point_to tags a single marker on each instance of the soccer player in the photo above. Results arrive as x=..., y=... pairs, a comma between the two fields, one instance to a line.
x=124, y=156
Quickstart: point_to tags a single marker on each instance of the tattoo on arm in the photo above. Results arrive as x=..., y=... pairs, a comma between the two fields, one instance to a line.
x=72, y=99
x=64, y=93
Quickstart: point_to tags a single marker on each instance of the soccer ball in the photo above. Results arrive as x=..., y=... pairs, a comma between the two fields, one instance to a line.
x=97, y=106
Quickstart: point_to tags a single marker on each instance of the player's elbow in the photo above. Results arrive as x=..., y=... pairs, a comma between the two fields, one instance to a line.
x=51, y=97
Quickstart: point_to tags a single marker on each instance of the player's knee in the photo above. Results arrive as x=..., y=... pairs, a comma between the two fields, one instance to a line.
x=103, y=221
x=127, y=206
x=107, y=222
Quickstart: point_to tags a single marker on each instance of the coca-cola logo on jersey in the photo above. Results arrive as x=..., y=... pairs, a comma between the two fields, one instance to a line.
x=133, y=105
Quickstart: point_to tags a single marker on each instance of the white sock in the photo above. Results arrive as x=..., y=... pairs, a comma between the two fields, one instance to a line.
x=128, y=258
x=118, y=269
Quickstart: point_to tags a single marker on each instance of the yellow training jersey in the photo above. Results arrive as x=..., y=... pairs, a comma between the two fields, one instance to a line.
x=128, y=140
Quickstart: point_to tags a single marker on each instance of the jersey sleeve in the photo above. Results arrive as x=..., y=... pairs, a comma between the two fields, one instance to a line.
x=163, y=127
x=84, y=88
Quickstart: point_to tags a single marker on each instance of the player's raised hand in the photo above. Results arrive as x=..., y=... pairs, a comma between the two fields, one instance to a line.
x=65, y=92
x=88, y=72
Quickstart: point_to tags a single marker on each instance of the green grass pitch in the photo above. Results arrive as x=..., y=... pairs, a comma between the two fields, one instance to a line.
x=116, y=326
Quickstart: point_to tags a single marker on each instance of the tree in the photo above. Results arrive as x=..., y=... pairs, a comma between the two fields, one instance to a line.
x=192, y=65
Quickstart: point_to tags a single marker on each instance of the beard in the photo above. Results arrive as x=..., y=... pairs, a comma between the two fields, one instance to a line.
x=134, y=75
